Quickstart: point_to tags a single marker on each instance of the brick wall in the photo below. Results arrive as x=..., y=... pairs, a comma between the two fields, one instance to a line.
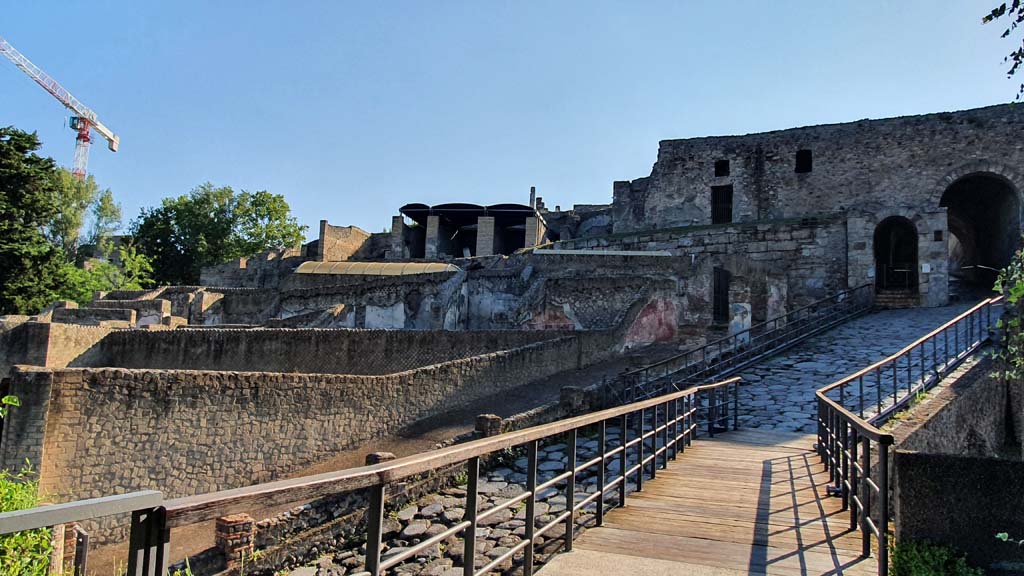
x=339, y=242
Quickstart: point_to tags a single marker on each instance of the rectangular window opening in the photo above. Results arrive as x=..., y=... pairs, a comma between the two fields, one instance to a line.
x=721, y=167
x=721, y=204
x=803, y=161
x=938, y=236
x=720, y=296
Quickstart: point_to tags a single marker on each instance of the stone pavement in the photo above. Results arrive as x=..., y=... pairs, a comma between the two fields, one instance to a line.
x=779, y=393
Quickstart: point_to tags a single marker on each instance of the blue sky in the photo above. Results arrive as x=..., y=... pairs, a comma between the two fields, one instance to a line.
x=353, y=109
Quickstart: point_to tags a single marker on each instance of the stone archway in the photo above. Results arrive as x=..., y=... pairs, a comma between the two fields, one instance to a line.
x=984, y=219
x=896, y=260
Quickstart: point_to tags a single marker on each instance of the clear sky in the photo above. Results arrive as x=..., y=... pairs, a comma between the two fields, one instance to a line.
x=353, y=109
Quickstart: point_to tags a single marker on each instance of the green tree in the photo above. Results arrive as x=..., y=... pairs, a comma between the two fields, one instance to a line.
x=73, y=198
x=106, y=220
x=1014, y=13
x=211, y=225
x=30, y=266
x=132, y=271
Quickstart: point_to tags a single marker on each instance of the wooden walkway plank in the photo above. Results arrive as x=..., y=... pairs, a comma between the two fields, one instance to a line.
x=744, y=502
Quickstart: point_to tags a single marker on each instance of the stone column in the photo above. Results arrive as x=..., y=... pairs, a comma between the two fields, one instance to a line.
x=397, y=249
x=433, y=230
x=321, y=253
x=485, y=235
x=532, y=231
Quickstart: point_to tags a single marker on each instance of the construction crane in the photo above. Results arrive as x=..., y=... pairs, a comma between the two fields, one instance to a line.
x=85, y=119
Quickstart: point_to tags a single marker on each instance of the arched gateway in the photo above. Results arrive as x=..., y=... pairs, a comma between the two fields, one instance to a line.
x=984, y=229
x=896, y=265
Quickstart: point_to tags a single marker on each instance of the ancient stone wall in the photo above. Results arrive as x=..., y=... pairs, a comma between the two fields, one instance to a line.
x=47, y=344
x=420, y=301
x=94, y=432
x=307, y=351
x=264, y=270
x=775, y=266
x=871, y=165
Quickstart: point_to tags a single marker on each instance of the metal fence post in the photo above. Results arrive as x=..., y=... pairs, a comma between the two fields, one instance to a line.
x=883, y=508
x=602, y=447
x=472, y=505
x=531, y=505
x=570, y=490
x=148, y=543
x=374, y=529
x=623, y=459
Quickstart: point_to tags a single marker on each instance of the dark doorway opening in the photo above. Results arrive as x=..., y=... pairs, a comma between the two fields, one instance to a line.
x=984, y=230
x=896, y=255
x=720, y=296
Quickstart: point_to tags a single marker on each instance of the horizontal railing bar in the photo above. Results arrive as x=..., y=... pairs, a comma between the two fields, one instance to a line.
x=559, y=520
x=871, y=484
x=856, y=501
x=191, y=509
x=618, y=480
x=871, y=526
x=422, y=546
x=589, y=463
x=504, y=504
x=46, y=516
x=505, y=556
x=579, y=505
x=554, y=480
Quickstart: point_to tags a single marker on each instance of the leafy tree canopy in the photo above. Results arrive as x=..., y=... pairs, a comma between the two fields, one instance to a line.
x=1014, y=14
x=30, y=265
x=211, y=225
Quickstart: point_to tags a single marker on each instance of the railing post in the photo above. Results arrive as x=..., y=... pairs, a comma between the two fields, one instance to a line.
x=374, y=529
x=855, y=490
x=860, y=386
x=821, y=431
x=878, y=389
x=472, y=506
x=81, y=552
x=712, y=412
x=148, y=543
x=865, y=490
x=674, y=416
x=844, y=447
x=531, y=504
x=602, y=447
x=640, y=451
x=623, y=459
x=736, y=406
x=883, y=508
x=570, y=489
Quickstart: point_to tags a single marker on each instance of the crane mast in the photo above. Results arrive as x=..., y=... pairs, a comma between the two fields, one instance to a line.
x=85, y=119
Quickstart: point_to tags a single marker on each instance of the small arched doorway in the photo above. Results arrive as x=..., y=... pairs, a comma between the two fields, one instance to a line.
x=984, y=230
x=896, y=255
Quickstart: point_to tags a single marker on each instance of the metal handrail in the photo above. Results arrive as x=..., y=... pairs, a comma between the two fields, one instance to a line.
x=726, y=355
x=674, y=422
x=846, y=438
x=56, y=514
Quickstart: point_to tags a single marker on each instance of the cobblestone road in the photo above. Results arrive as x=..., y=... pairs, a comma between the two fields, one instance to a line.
x=779, y=393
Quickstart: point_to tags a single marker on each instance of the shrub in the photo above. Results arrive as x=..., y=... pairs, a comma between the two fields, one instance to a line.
x=22, y=553
x=924, y=559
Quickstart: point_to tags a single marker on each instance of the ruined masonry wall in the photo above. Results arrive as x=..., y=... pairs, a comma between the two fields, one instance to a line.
x=113, y=431
x=795, y=260
x=867, y=165
x=330, y=351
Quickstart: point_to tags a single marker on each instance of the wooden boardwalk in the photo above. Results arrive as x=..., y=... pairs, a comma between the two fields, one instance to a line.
x=745, y=502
